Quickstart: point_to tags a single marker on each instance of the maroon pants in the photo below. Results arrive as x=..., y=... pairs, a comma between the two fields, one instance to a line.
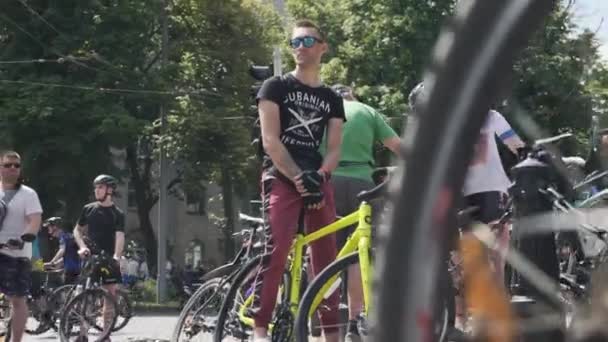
x=282, y=208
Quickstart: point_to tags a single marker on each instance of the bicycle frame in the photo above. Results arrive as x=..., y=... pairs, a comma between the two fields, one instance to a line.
x=359, y=241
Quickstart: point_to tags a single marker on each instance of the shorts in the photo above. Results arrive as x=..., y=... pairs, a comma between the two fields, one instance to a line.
x=129, y=280
x=70, y=277
x=15, y=276
x=491, y=205
x=346, y=190
x=107, y=273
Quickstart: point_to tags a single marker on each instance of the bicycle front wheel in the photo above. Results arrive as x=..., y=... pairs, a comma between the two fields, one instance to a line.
x=325, y=284
x=84, y=312
x=229, y=324
x=472, y=58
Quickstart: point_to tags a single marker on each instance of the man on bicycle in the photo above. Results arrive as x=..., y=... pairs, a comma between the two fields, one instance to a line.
x=67, y=253
x=20, y=216
x=486, y=183
x=103, y=223
x=295, y=110
x=364, y=128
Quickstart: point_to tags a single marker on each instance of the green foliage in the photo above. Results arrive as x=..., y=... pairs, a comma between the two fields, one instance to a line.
x=65, y=129
x=208, y=135
x=379, y=47
x=382, y=49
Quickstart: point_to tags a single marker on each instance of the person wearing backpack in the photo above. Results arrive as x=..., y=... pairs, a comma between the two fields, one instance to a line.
x=20, y=219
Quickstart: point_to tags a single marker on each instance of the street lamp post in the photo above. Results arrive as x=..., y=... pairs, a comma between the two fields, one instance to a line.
x=162, y=224
x=279, y=6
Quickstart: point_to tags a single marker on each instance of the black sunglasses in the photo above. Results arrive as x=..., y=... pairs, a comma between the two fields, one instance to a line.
x=13, y=165
x=307, y=41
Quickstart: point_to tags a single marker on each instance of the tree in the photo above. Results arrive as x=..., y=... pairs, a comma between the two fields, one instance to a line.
x=210, y=139
x=66, y=113
x=383, y=47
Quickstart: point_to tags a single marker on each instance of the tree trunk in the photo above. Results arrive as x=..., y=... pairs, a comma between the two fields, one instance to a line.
x=145, y=200
x=227, y=194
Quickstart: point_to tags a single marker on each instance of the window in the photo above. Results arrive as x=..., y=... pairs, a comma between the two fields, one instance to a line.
x=194, y=253
x=196, y=202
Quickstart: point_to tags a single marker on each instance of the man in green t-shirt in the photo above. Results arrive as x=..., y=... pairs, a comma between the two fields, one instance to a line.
x=364, y=127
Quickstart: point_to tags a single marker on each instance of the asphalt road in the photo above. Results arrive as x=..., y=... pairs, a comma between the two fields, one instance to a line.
x=146, y=328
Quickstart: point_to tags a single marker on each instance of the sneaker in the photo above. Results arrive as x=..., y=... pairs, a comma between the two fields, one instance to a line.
x=351, y=337
x=261, y=339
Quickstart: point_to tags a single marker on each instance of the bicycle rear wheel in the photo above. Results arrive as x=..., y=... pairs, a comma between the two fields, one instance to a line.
x=471, y=59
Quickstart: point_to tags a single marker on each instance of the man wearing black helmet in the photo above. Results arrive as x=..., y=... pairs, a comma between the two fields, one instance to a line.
x=67, y=255
x=103, y=223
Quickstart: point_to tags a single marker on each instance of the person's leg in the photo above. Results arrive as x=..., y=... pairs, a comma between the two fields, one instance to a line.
x=15, y=283
x=491, y=210
x=323, y=253
x=110, y=283
x=19, y=313
x=108, y=309
x=345, y=198
x=282, y=205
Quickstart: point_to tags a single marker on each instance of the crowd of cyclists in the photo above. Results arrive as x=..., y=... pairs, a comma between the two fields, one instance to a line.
x=318, y=154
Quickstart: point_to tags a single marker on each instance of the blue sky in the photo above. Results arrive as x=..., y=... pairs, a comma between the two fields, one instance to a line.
x=589, y=14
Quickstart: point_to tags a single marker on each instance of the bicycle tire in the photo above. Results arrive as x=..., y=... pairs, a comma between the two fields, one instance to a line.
x=210, y=288
x=65, y=325
x=208, y=278
x=313, y=291
x=228, y=302
x=59, y=303
x=125, y=310
x=465, y=69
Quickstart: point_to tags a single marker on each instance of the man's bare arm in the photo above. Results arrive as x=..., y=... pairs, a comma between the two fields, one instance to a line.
x=514, y=143
x=78, y=235
x=33, y=223
x=271, y=138
x=119, y=245
x=334, y=142
x=57, y=256
x=393, y=144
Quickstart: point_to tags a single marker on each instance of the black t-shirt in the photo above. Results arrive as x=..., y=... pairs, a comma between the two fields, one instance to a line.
x=103, y=223
x=304, y=113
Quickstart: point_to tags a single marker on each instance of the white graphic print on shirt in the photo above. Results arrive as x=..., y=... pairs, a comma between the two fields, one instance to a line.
x=305, y=120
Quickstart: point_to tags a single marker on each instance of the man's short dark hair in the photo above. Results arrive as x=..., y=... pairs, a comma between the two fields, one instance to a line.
x=310, y=24
x=10, y=154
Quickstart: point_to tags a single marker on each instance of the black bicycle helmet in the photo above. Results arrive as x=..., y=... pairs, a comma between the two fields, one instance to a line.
x=341, y=89
x=107, y=180
x=414, y=97
x=52, y=221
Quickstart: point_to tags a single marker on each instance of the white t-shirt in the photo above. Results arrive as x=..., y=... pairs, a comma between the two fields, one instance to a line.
x=24, y=203
x=132, y=268
x=143, y=270
x=486, y=172
x=123, y=265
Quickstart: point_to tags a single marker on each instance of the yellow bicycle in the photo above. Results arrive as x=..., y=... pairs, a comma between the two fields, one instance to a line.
x=235, y=321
